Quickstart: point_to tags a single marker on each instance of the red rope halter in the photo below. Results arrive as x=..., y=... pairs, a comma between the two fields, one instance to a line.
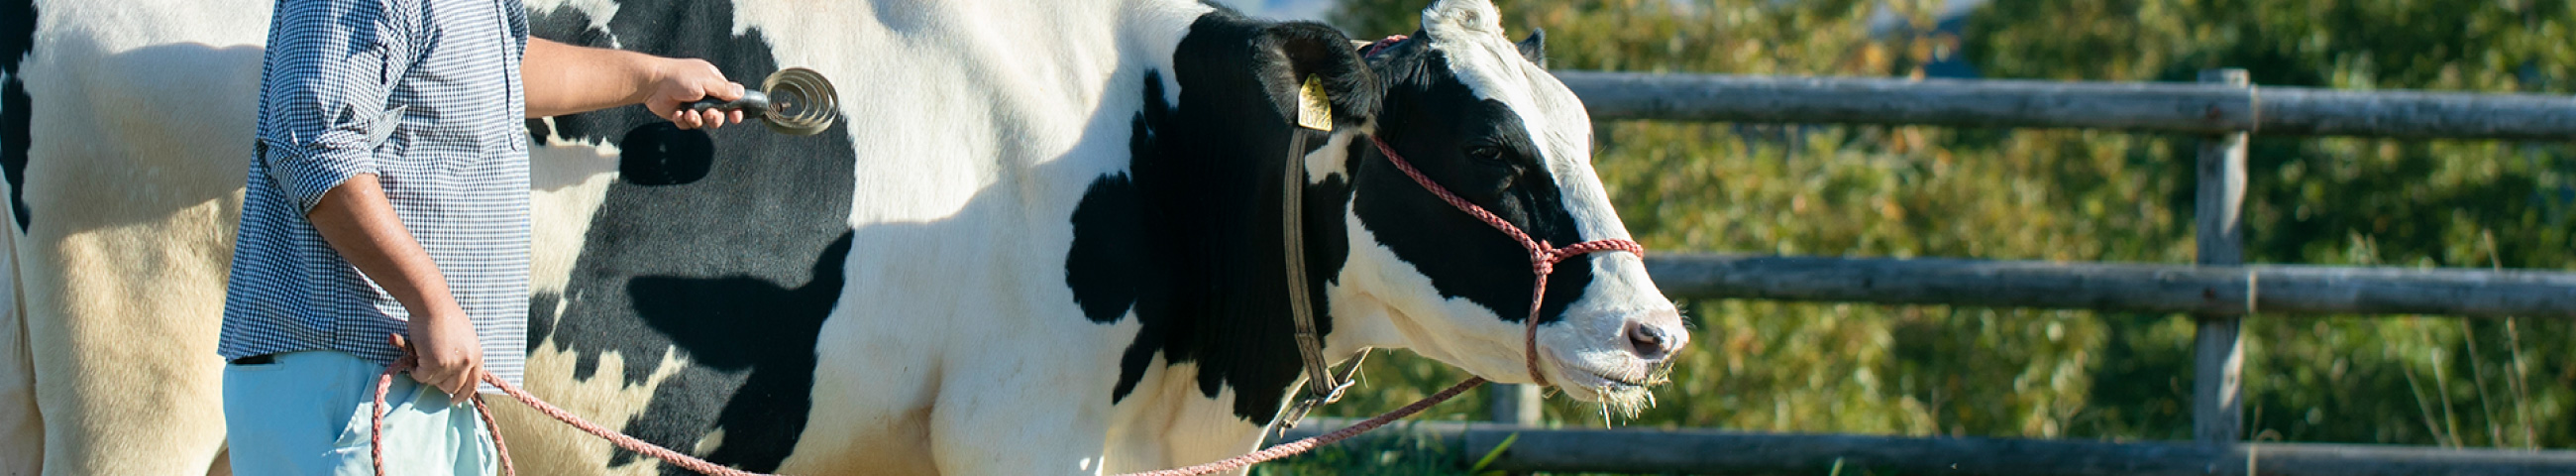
x=1543, y=260
x=1543, y=257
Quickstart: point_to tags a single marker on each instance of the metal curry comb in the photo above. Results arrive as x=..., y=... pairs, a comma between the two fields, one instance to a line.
x=792, y=101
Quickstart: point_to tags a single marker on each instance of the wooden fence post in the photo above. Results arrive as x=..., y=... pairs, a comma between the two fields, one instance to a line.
x=1514, y=404
x=2217, y=410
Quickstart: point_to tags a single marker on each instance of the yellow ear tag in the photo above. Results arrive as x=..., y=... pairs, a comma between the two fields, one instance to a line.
x=1314, y=111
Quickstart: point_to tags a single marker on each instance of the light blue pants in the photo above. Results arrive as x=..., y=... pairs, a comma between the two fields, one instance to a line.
x=307, y=414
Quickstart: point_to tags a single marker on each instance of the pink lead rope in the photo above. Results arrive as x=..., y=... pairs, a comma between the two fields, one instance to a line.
x=384, y=383
x=1543, y=259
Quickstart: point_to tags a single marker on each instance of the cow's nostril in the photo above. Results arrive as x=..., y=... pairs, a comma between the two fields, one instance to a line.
x=1649, y=342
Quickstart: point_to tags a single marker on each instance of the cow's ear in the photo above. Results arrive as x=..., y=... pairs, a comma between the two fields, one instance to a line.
x=1294, y=51
x=1535, y=47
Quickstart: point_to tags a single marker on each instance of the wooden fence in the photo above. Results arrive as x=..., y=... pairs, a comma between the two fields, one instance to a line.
x=1745, y=453
x=2218, y=289
x=2215, y=107
x=2125, y=287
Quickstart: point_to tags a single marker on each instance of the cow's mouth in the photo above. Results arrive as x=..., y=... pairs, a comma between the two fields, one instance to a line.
x=1625, y=377
x=1620, y=389
x=1596, y=378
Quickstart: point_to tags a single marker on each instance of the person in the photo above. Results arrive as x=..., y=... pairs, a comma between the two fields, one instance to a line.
x=389, y=201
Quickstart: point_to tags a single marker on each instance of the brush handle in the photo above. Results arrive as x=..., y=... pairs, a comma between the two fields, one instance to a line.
x=753, y=103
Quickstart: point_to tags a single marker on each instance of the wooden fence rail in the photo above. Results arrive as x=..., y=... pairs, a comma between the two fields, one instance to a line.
x=1744, y=453
x=2224, y=107
x=2128, y=287
x=2201, y=108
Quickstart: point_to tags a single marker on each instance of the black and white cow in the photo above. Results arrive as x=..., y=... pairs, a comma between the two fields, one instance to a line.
x=1045, y=239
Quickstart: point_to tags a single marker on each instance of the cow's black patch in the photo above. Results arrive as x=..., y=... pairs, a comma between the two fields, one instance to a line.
x=731, y=265
x=538, y=130
x=1478, y=149
x=1109, y=240
x=663, y=154
x=17, y=32
x=14, y=134
x=541, y=317
x=746, y=333
x=1188, y=239
x=17, y=37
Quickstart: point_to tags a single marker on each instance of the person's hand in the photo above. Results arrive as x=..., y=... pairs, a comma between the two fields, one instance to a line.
x=451, y=359
x=680, y=81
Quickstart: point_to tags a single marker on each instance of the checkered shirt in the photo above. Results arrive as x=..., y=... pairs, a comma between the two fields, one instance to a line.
x=425, y=94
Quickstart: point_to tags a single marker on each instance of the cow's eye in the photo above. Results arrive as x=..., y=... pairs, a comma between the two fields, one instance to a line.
x=1486, y=153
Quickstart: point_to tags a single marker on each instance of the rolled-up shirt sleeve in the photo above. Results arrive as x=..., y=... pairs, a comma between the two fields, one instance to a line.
x=324, y=104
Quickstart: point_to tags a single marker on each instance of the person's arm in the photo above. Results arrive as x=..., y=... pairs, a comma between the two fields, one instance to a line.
x=323, y=115
x=359, y=223
x=566, y=79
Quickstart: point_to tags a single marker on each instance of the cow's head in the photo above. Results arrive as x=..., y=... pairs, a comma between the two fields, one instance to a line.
x=1476, y=113
x=1187, y=239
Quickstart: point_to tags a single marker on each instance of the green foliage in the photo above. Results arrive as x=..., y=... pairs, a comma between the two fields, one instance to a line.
x=2072, y=195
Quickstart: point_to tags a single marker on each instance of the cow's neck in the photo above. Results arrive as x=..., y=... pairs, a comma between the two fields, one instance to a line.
x=1191, y=235
x=1217, y=223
